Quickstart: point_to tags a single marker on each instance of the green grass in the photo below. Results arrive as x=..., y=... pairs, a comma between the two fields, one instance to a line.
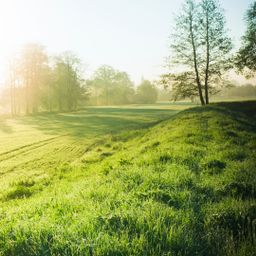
x=33, y=146
x=130, y=181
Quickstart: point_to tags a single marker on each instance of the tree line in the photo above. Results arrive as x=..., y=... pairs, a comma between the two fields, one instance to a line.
x=108, y=86
x=38, y=82
x=35, y=82
x=202, y=48
x=247, y=91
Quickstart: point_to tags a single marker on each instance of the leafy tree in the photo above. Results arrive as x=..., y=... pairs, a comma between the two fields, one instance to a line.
x=35, y=85
x=48, y=92
x=237, y=91
x=123, y=89
x=201, y=47
x=33, y=64
x=101, y=84
x=12, y=86
x=146, y=93
x=164, y=94
x=182, y=85
x=27, y=78
x=68, y=87
x=110, y=86
x=246, y=57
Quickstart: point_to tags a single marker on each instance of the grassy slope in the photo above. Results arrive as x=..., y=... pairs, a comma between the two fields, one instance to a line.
x=33, y=146
x=185, y=186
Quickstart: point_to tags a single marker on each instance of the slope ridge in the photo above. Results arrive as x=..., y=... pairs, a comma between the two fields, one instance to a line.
x=185, y=186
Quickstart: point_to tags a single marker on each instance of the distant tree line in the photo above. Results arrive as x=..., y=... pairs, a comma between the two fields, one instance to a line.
x=37, y=82
x=113, y=87
x=200, y=47
x=238, y=91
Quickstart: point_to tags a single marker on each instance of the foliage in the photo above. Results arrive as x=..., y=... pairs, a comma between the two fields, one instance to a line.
x=183, y=86
x=35, y=84
x=27, y=78
x=39, y=83
x=246, y=57
x=247, y=91
x=110, y=87
x=146, y=93
x=67, y=81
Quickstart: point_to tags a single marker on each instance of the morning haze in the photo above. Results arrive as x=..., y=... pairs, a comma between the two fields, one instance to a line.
x=129, y=35
x=127, y=127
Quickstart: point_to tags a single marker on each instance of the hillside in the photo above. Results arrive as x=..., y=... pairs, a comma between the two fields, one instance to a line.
x=183, y=186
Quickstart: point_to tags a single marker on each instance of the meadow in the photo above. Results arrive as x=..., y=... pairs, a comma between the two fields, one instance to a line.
x=160, y=179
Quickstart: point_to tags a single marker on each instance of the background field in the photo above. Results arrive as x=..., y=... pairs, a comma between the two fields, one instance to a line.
x=33, y=146
x=130, y=180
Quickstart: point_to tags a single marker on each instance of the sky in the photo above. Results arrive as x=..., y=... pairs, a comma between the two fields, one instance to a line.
x=130, y=35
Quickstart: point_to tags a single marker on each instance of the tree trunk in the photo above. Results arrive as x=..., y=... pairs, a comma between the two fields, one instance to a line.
x=199, y=85
x=207, y=60
x=60, y=103
x=12, y=101
x=27, y=98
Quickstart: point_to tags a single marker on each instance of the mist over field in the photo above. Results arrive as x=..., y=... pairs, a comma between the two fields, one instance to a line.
x=128, y=127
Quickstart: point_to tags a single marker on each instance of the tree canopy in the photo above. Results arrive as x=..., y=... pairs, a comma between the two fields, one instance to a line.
x=35, y=84
x=246, y=57
x=111, y=87
x=146, y=93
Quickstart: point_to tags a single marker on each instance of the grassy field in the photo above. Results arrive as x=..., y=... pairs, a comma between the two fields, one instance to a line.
x=33, y=146
x=132, y=180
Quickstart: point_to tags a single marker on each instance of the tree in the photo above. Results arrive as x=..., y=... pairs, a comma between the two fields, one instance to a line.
x=218, y=44
x=48, y=93
x=11, y=82
x=146, y=93
x=202, y=48
x=103, y=79
x=34, y=84
x=182, y=85
x=33, y=64
x=246, y=57
x=68, y=87
x=110, y=86
x=27, y=78
x=123, y=89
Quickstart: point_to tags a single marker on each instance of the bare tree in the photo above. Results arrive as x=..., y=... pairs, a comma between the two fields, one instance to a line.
x=201, y=48
x=217, y=44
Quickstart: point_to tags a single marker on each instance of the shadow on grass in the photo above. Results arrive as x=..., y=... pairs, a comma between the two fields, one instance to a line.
x=95, y=121
x=242, y=112
x=4, y=127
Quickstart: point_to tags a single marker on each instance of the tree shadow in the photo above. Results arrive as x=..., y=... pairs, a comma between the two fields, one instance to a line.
x=96, y=121
x=4, y=127
x=243, y=112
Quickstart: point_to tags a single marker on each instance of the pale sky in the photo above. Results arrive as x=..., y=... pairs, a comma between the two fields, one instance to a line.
x=130, y=35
